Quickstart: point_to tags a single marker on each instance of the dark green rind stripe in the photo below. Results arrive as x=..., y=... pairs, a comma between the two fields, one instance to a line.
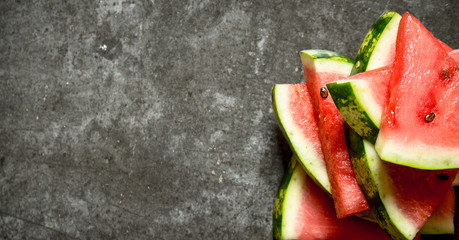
x=320, y=54
x=279, y=202
x=371, y=41
x=369, y=185
x=343, y=96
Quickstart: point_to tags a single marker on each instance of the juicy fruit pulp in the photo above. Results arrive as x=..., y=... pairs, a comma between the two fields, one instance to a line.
x=424, y=81
x=295, y=117
x=320, y=68
x=304, y=211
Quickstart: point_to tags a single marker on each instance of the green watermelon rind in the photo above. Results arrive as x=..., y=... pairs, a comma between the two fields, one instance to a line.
x=326, y=61
x=374, y=45
x=309, y=158
x=376, y=186
x=362, y=116
x=286, y=202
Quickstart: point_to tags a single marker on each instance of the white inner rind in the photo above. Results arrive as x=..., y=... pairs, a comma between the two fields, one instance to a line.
x=417, y=155
x=386, y=40
x=384, y=187
x=325, y=65
x=292, y=197
x=310, y=159
x=366, y=100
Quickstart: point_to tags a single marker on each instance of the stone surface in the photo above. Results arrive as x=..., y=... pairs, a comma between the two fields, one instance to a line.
x=151, y=119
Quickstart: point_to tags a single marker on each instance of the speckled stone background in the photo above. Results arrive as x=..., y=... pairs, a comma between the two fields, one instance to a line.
x=151, y=119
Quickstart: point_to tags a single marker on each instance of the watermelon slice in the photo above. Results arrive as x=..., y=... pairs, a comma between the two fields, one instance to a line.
x=419, y=126
x=321, y=67
x=295, y=117
x=401, y=197
x=304, y=211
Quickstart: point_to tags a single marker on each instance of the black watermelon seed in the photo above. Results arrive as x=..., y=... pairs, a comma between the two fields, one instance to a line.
x=429, y=117
x=443, y=177
x=446, y=74
x=323, y=92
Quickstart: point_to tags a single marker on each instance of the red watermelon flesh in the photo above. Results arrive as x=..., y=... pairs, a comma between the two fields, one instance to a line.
x=300, y=105
x=425, y=81
x=348, y=196
x=316, y=218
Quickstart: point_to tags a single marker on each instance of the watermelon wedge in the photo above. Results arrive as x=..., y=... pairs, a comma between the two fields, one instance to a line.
x=295, y=116
x=304, y=211
x=321, y=67
x=419, y=126
x=402, y=198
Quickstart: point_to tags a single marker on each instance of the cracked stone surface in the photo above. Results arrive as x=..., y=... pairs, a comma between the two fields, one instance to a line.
x=152, y=119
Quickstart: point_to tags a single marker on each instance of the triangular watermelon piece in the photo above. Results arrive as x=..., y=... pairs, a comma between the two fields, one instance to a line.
x=420, y=125
x=320, y=68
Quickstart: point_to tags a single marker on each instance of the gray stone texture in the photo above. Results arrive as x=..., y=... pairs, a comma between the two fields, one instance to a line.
x=152, y=119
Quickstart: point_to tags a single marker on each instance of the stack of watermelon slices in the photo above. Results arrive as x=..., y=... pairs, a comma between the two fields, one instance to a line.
x=401, y=94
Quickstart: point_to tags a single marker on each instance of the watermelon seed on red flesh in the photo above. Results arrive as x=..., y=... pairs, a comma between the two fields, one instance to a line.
x=323, y=92
x=443, y=177
x=446, y=74
x=429, y=117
